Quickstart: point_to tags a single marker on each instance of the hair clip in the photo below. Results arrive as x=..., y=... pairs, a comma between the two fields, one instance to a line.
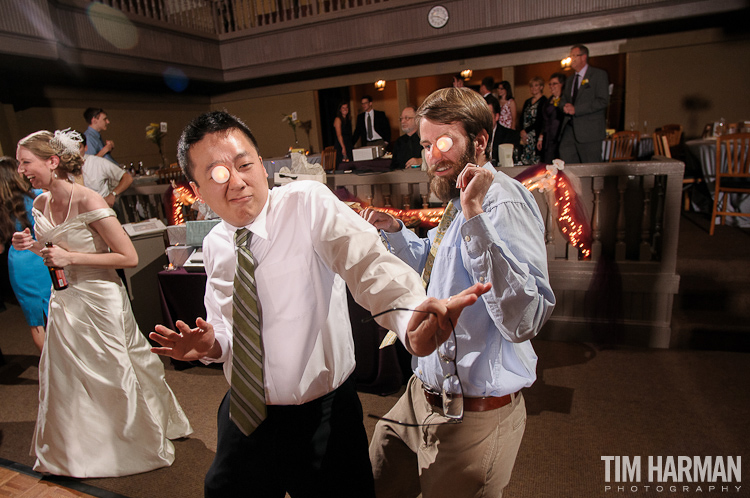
x=444, y=143
x=66, y=141
x=220, y=174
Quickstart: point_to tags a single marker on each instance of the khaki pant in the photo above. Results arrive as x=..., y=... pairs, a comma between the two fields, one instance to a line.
x=471, y=459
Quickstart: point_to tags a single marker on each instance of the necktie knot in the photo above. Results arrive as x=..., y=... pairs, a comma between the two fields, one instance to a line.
x=241, y=237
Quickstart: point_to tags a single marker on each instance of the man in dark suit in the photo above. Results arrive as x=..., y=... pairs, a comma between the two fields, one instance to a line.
x=500, y=134
x=372, y=126
x=585, y=98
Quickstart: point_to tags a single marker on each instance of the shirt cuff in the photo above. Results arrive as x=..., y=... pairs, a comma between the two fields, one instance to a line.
x=223, y=341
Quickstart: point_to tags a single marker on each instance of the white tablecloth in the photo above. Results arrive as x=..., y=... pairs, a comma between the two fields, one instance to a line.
x=274, y=164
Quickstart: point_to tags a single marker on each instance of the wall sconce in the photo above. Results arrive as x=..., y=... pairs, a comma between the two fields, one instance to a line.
x=466, y=74
x=380, y=85
x=565, y=63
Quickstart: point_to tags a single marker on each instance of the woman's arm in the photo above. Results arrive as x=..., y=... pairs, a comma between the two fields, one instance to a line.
x=23, y=241
x=513, y=113
x=122, y=253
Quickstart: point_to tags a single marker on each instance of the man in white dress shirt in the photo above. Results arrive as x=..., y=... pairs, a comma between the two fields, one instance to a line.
x=308, y=247
x=102, y=176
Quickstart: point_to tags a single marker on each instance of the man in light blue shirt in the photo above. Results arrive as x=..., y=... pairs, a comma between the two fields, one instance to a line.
x=98, y=121
x=492, y=231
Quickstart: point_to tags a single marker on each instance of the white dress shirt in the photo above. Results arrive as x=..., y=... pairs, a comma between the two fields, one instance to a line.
x=308, y=247
x=581, y=76
x=101, y=175
x=375, y=134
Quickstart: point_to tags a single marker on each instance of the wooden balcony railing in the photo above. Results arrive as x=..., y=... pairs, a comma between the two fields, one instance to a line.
x=229, y=16
x=624, y=292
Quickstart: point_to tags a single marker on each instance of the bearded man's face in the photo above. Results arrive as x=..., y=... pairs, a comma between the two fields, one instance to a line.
x=445, y=166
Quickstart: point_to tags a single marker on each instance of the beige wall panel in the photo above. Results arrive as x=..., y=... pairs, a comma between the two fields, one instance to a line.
x=713, y=76
x=127, y=129
x=264, y=117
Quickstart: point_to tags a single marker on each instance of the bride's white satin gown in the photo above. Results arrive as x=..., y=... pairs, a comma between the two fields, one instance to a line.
x=105, y=408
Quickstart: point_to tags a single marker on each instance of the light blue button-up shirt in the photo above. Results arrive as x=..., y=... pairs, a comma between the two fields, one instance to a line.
x=504, y=246
x=95, y=143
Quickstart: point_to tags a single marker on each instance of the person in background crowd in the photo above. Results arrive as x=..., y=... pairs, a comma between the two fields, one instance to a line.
x=98, y=122
x=485, y=88
x=105, y=409
x=373, y=127
x=491, y=231
x=278, y=266
x=552, y=115
x=102, y=176
x=494, y=141
x=500, y=134
x=585, y=98
x=508, y=110
x=28, y=274
x=342, y=124
x=532, y=122
x=458, y=81
x=407, y=151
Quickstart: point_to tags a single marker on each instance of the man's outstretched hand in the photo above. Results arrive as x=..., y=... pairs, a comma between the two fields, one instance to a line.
x=427, y=330
x=187, y=344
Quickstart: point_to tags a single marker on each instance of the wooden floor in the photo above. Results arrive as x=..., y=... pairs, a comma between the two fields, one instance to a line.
x=17, y=485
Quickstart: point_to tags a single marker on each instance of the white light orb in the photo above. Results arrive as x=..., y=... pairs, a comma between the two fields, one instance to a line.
x=220, y=174
x=444, y=144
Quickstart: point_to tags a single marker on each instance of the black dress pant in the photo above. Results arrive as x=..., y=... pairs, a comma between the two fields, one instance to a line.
x=315, y=450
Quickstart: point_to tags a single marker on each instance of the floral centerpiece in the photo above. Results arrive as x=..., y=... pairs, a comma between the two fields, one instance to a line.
x=291, y=120
x=154, y=133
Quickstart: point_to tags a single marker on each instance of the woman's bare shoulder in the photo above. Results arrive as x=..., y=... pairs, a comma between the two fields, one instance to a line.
x=88, y=200
x=40, y=200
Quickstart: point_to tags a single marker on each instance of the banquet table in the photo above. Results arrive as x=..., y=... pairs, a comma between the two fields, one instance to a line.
x=368, y=165
x=701, y=155
x=378, y=371
x=274, y=164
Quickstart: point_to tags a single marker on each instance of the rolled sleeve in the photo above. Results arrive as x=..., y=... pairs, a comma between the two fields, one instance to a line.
x=521, y=299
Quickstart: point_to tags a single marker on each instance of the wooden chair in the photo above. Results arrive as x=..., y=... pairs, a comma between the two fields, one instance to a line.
x=166, y=175
x=661, y=144
x=624, y=146
x=661, y=148
x=736, y=178
x=673, y=133
x=329, y=158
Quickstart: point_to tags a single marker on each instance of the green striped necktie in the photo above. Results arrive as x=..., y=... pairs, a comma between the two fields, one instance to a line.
x=448, y=214
x=247, y=403
x=445, y=222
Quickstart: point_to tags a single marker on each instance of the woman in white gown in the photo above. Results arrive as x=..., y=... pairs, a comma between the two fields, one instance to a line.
x=105, y=408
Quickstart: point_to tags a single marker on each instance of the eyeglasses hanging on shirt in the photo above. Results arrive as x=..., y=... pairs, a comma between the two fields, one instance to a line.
x=451, y=391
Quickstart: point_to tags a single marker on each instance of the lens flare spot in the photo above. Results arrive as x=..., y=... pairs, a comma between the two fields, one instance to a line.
x=220, y=174
x=113, y=25
x=444, y=144
x=175, y=79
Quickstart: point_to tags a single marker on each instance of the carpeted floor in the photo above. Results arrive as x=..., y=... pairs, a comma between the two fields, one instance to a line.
x=588, y=403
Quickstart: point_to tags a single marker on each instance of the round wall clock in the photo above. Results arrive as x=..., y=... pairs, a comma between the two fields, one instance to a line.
x=438, y=16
